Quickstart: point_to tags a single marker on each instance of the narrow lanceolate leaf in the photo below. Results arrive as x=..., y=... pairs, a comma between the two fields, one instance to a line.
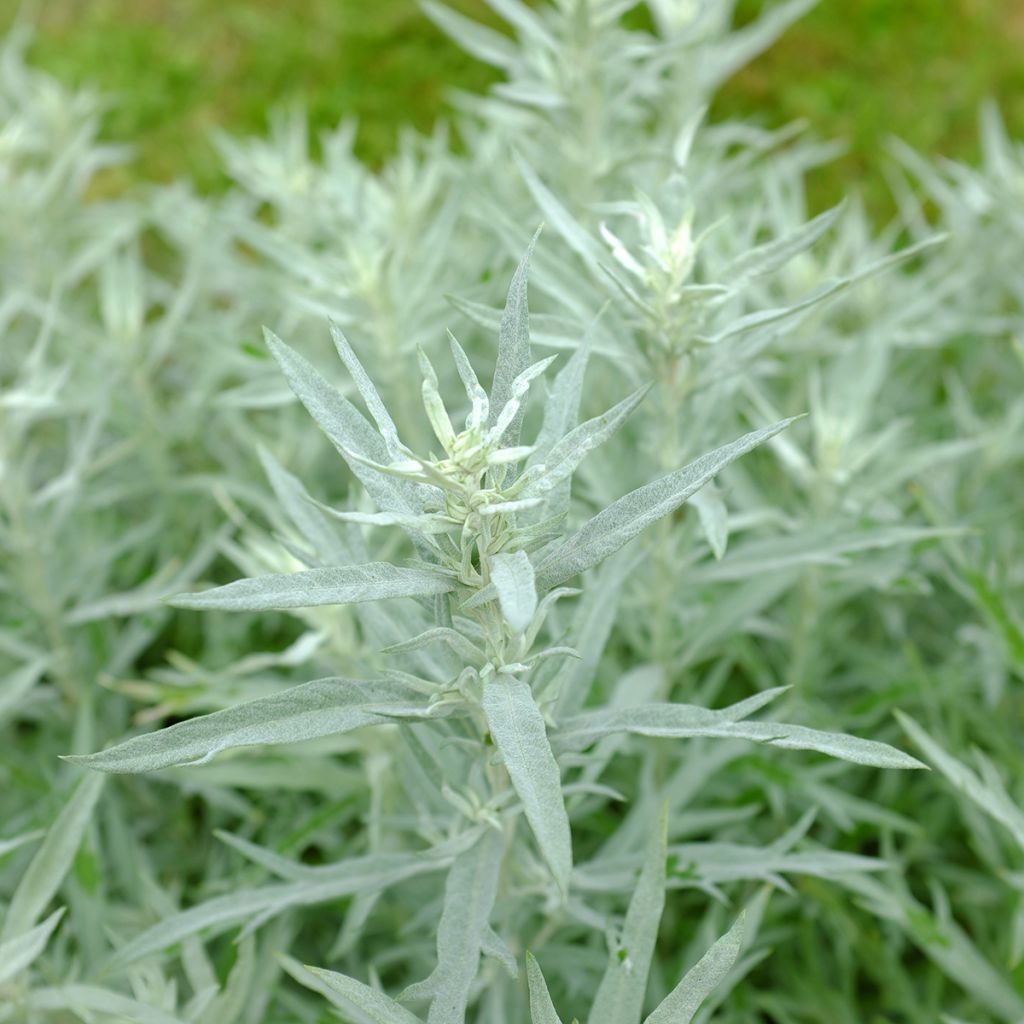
x=512, y=576
x=374, y=1004
x=324, y=707
x=569, y=452
x=462, y=646
x=513, y=348
x=621, y=994
x=474, y=392
x=483, y=43
x=767, y=258
x=251, y=907
x=425, y=524
x=85, y=1001
x=9, y=845
x=463, y=930
x=591, y=629
x=610, y=529
x=685, y=721
x=683, y=1002
x=716, y=863
x=989, y=795
x=559, y=217
x=517, y=728
x=374, y=404
x=300, y=509
x=18, y=953
x=347, y=430
x=19, y=683
x=714, y=519
x=542, y=1010
x=52, y=860
x=561, y=410
x=729, y=54
x=334, y=584
x=944, y=942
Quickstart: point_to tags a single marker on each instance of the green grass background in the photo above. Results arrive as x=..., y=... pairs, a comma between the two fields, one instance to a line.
x=857, y=70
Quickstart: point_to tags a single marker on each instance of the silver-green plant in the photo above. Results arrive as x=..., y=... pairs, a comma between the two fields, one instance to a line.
x=495, y=734
x=480, y=777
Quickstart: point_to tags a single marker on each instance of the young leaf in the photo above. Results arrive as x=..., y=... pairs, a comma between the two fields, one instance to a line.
x=610, y=529
x=513, y=348
x=561, y=410
x=512, y=576
x=347, y=430
x=334, y=584
x=325, y=707
x=517, y=728
x=683, y=1002
x=433, y=403
x=366, y=388
x=463, y=647
x=474, y=391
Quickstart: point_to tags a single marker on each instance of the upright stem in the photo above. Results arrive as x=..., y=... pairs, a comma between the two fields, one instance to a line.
x=669, y=401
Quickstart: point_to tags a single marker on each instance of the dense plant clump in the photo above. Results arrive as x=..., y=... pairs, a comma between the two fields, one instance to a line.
x=590, y=668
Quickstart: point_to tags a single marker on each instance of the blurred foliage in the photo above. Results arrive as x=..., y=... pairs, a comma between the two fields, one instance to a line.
x=864, y=70
x=868, y=558
x=178, y=69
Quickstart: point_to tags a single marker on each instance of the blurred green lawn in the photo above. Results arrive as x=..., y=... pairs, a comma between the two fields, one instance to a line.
x=857, y=70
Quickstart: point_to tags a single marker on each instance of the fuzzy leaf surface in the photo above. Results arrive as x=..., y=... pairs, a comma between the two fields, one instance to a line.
x=255, y=906
x=53, y=859
x=542, y=1010
x=335, y=584
x=621, y=521
x=513, y=348
x=683, y=1002
x=566, y=454
x=621, y=993
x=346, y=428
x=519, y=733
x=463, y=929
x=374, y=1004
x=513, y=578
x=324, y=707
x=686, y=721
